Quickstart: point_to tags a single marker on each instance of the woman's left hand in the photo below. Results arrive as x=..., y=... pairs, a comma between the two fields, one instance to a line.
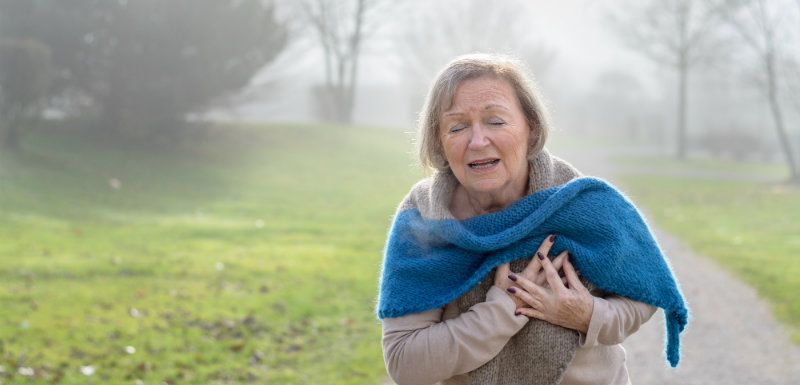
x=569, y=306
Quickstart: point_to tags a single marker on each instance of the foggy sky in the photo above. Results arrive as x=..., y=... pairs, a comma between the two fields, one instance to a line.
x=586, y=51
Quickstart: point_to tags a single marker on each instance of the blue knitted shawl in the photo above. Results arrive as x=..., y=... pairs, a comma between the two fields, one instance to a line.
x=429, y=262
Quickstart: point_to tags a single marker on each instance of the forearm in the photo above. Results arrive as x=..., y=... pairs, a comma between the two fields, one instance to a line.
x=422, y=349
x=614, y=318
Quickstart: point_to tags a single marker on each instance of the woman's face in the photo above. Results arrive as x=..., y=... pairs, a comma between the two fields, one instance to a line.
x=486, y=137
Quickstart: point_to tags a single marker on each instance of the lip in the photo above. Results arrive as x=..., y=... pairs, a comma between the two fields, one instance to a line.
x=485, y=169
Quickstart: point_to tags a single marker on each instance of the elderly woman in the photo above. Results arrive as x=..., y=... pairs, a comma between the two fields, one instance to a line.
x=479, y=282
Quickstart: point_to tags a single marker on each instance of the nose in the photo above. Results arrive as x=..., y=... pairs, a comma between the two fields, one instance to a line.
x=479, y=138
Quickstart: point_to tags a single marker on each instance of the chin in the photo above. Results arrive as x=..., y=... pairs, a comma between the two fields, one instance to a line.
x=487, y=186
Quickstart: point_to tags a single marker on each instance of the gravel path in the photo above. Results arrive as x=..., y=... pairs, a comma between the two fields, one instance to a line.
x=732, y=337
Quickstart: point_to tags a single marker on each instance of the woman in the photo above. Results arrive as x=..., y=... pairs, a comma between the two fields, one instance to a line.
x=463, y=299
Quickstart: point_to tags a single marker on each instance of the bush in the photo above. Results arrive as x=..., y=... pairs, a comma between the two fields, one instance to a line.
x=25, y=74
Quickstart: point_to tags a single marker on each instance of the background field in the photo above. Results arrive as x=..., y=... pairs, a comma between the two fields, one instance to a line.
x=250, y=256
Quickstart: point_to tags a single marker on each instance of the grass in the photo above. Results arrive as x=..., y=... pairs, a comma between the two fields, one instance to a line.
x=251, y=256
x=777, y=170
x=750, y=228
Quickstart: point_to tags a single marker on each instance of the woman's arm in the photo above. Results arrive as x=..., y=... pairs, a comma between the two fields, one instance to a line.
x=420, y=348
x=614, y=318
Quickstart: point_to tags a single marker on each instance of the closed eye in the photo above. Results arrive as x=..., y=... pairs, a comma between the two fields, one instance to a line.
x=457, y=127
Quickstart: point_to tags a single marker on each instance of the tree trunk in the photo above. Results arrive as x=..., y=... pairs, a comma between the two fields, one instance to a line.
x=772, y=95
x=355, y=45
x=11, y=141
x=683, y=74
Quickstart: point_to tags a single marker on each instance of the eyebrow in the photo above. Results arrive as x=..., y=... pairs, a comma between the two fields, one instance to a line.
x=488, y=106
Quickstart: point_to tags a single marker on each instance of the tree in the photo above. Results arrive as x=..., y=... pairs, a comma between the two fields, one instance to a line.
x=674, y=33
x=435, y=33
x=341, y=28
x=147, y=63
x=760, y=25
x=25, y=74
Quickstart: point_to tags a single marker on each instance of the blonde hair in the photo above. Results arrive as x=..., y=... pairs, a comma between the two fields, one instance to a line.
x=472, y=66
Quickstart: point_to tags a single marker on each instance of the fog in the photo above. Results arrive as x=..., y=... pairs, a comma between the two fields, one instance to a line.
x=593, y=80
x=149, y=234
x=674, y=73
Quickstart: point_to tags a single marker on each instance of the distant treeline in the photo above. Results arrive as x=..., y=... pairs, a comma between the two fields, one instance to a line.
x=136, y=67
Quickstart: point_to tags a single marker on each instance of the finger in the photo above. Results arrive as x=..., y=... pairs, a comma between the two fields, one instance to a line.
x=532, y=270
x=529, y=286
x=563, y=282
x=525, y=297
x=501, y=275
x=572, y=276
x=530, y=312
x=558, y=261
x=540, y=278
x=550, y=273
x=504, y=269
x=547, y=243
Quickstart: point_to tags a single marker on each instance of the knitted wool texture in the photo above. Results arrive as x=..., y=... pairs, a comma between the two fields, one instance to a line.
x=430, y=261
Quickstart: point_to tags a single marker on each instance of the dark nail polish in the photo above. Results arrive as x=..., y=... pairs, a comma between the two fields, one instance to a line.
x=512, y=277
x=517, y=313
x=552, y=239
x=540, y=255
x=512, y=290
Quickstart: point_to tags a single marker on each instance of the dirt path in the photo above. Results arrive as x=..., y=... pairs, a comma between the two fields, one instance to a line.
x=732, y=337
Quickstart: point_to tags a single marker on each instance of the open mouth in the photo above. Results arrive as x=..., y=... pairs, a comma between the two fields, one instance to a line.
x=486, y=163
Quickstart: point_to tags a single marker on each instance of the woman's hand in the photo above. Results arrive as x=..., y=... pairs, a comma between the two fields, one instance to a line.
x=567, y=305
x=501, y=280
x=533, y=272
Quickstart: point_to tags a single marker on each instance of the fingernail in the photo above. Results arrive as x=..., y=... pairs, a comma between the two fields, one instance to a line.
x=517, y=313
x=569, y=256
x=512, y=277
x=552, y=238
x=512, y=290
x=540, y=255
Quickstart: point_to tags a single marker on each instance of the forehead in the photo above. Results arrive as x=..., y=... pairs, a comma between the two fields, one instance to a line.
x=481, y=92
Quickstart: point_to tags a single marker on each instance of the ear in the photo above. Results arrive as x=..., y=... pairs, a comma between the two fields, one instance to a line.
x=534, y=134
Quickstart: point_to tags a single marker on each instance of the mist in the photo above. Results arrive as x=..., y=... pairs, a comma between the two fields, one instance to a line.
x=595, y=82
x=199, y=191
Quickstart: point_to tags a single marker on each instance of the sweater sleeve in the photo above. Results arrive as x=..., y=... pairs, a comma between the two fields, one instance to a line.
x=420, y=348
x=614, y=318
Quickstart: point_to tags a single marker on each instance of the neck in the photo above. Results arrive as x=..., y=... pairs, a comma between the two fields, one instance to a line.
x=467, y=203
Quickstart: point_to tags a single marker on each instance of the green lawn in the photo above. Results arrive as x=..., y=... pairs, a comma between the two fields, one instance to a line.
x=777, y=170
x=251, y=256
x=751, y=228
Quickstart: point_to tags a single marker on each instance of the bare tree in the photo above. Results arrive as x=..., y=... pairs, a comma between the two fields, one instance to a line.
x=760, y=25
x=794, y=64
x=675, y=33
x=436, y=32
x=340, y=28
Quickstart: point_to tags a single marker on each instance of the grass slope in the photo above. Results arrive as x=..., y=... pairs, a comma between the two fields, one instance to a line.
x=751, y=228
x=249, y=257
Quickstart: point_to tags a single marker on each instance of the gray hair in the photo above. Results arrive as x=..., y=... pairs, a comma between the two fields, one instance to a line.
x=472, y=66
